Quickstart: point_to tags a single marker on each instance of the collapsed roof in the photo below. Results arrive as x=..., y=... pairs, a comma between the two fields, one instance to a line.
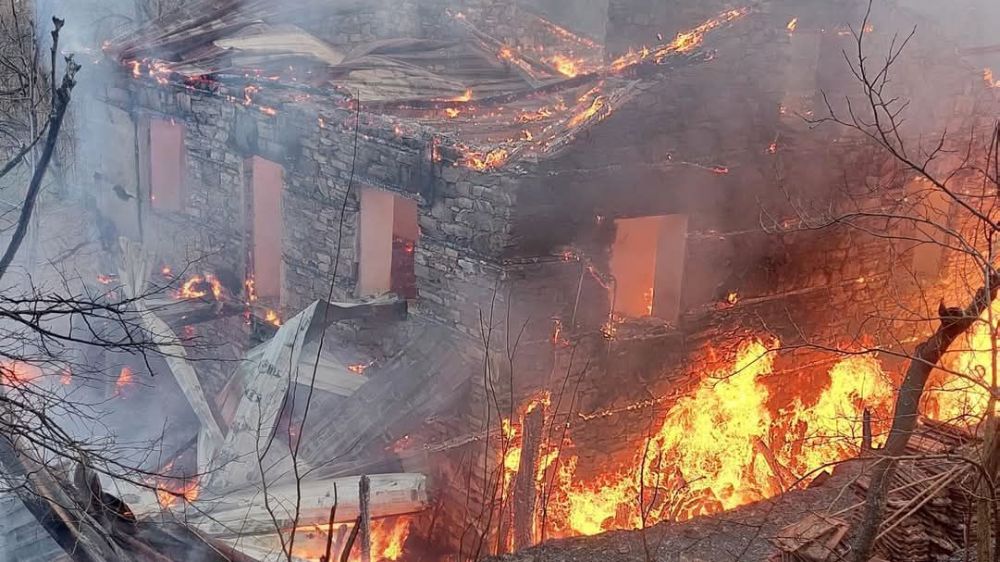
x=494, y=100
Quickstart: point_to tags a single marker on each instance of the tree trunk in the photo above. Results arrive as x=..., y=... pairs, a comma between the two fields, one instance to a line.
x=954, y=322
x=525, y=492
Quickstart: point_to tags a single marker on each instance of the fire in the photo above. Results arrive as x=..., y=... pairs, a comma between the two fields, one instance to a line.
x=124, y=380
x=167, y=272
x=105, y=279
x=388, y=539
x=988, y=78
x=964, y=398
x=199, y=286
x=483, y=161
x=647, y=299
x=594, y=108
x=358, y=368
x=792, y=25
x=466, y=96
x=17, y=372
x=168, y=495
x=733, y=297
x=682, y=43
x=565, y=65
x=66, y=376
x=271, y=317
x=724, y=444
x=452, y=113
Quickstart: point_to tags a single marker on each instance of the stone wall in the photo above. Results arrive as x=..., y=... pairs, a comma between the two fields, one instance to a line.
x=463, y=215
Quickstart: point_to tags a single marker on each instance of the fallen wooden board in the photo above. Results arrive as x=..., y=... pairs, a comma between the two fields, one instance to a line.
x=245, y=514
x=265, y=381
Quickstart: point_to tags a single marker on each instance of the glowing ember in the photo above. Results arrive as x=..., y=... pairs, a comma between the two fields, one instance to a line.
x=271, y=317
x=595, y=106
x=124, y=380
x=565, y=65
x=733, y=297
x=358, y=368
x=199, y=286
x=683, y=42
x=988, y=78
x=792, y=25
x=483, y=161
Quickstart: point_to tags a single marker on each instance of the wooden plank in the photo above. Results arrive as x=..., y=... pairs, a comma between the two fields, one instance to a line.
x=187, y=379
x=265, y=383
x=238, y=514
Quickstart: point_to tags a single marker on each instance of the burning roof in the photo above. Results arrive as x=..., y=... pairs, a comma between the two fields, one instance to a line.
x=490, y=100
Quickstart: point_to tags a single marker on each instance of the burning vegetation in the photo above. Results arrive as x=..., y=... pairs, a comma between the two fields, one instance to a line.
x=473, y=276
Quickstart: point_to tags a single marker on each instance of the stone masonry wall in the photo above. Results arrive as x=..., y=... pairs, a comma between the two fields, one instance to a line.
x=463, y=214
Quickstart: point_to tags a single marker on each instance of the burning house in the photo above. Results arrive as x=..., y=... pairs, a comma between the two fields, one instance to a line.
x=513, y=265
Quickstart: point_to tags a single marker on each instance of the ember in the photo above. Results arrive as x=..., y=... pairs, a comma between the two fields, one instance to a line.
x=271, y=317
x=988, y=78
x=565, y=65
x=124, y=380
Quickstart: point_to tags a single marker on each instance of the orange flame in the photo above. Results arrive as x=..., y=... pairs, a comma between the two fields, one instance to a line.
x=17, y=372
x=483, y=161
x=358, y=368
x=388, y=539
x=271, y=317
x=124, y=380
x=792, y=25
x=565, y=65
x=167, y=495
x=199, y=286
x=683, y=42
x=988, y=78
